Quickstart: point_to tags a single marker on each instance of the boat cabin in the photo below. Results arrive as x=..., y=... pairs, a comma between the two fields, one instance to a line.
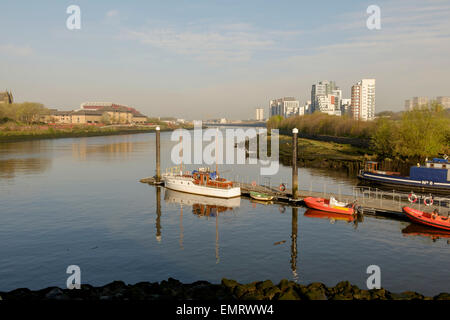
x=204, y=177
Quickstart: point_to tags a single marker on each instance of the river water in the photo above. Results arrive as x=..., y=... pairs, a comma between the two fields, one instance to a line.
x=79, y=202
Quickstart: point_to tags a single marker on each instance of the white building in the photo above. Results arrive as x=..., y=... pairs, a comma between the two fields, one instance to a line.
x=286, y=107
x=444, y=101
x=416, y=102
x=326, y=97
x=259, y=114
x=363, y=100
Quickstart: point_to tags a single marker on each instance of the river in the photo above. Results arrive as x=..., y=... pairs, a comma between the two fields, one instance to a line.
x=79, y=202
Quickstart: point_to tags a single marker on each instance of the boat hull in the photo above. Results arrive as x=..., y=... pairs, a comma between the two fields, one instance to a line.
x=425, y=218
x=405, y=183
x=188, y=186
x=321, y=204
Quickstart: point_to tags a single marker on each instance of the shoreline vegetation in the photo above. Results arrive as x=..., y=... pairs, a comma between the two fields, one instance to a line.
x=24, y=121
x=13, y=132
x=202, y=290
x=407, y=137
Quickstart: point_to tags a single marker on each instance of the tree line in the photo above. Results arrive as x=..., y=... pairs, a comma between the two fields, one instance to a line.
x=416, y=134
x=26, y=112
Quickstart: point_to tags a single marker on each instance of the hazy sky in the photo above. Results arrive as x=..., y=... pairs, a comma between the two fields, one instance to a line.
x=210, y=59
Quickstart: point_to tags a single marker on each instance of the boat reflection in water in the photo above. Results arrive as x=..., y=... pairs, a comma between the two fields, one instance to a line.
x=333, y=217
x=202, y=206
x=311, y=213
x=423, y=231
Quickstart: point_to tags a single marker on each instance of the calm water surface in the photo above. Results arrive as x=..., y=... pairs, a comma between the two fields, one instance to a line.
x=78, y=201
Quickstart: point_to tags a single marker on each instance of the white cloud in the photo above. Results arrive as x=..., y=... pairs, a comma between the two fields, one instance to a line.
x=235, y=42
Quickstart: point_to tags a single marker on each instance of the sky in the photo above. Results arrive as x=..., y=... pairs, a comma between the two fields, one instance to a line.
x=203, y=59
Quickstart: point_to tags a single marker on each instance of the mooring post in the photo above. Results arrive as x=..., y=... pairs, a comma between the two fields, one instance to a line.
x=158, y=155
x=294, y=164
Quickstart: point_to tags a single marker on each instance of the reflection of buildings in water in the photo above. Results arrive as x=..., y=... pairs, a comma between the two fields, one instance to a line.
x=25, y=157
x=9, y=168
x=81, y=149
x=203, y=207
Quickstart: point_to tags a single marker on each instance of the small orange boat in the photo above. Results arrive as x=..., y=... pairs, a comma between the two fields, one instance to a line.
x=311, y=213
x=430, y=219
x=329, y=205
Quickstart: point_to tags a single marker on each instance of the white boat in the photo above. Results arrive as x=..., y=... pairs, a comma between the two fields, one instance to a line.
x=202, y=182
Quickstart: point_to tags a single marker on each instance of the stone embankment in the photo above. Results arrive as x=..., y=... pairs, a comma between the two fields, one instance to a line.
x=228, y=290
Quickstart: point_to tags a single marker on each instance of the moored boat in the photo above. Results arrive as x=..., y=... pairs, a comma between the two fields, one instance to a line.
x=432, y=219
x=329, y=205
x=434, y=177
x=202, y=182
x=260, y=196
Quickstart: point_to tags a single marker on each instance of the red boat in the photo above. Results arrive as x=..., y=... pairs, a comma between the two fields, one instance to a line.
x=329, y=205
x=430, y=219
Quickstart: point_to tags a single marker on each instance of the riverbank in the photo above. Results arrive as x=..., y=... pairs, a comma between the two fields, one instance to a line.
x=228, y=290
x=36, y=132
x=324, y=154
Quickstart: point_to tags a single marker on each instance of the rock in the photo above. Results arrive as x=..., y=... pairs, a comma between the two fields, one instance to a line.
x=378, y=294
x=407, y=295
x=442, y=296
x=284, y=284
x=56, y=294
x=315, y=291
x=240, y=290
x=271, y=292
x=229, y=284
x=264, y=285
x=362, y=295
x=289, y=294
x=252, y=296
x=343, y=287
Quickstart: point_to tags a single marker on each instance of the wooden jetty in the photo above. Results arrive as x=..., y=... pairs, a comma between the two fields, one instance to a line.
x=372, y=201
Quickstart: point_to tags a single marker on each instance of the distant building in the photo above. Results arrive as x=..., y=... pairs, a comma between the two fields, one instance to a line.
x=96, y=113
x=118, y=113
x=326, y=97
x=259, y=114
x=223, y=121
x=363, y=100
x=346, y=106
x=416, y=102
x=444, y=101
x=285, y=107
x=6, y=97
x=306, y=107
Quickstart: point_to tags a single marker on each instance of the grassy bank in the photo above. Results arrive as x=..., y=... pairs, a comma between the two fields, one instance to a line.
x=322, y=154
x=410, y=137
x=202, y=290
x=20, y=132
